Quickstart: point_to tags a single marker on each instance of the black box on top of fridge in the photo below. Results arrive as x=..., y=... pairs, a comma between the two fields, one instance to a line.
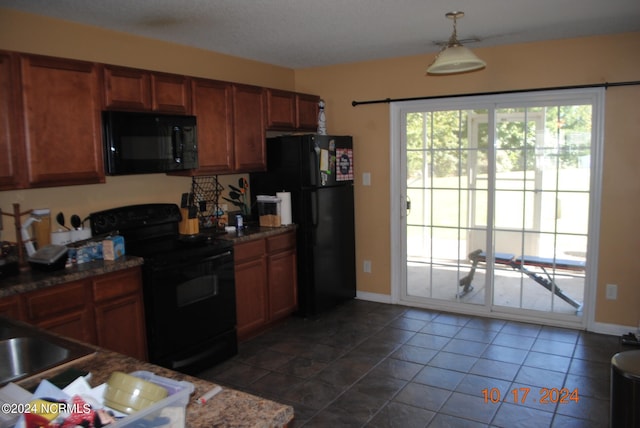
x=318, y=172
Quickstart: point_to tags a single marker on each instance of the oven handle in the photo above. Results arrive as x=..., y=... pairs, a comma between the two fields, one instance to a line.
x=190, y=262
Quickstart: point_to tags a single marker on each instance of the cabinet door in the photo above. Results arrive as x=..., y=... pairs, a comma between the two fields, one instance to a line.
x=282, y=277
x=251, y=296
x=119, y=312
x=307, y=112
x=64, y=309
x=251, y=286
x=171, y=93
x=281, y=110
x=12, y=158
x=127, y=88
x=61, y=109
x=249, y=128
x=213, y=108
x=11, y=307
x=120, y=326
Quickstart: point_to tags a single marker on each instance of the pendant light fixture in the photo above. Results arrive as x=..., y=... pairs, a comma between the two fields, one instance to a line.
x=455, y=58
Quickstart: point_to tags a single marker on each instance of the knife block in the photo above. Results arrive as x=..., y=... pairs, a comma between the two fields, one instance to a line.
x=188, y=226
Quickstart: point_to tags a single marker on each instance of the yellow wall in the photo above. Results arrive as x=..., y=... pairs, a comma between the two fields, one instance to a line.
x=535, y=65
x=547, y=64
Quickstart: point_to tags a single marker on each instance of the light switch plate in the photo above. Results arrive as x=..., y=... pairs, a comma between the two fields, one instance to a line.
x=366, y=179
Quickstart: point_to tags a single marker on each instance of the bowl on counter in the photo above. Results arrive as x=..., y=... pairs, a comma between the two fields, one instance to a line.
x=128, y=394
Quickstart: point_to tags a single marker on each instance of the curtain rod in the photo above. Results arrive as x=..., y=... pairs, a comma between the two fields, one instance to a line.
x=514, y=91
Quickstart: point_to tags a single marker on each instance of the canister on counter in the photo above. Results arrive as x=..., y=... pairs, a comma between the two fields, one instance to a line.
x=239, y=222
x=42, y=227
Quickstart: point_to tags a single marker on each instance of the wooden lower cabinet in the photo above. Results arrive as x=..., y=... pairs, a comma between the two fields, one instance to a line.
x=105, y=310
x=120, y=326
x=282, y=274
x=251, y=296
x=266, y=285
x=62, y=309
x=10, y=307
x=119, y=312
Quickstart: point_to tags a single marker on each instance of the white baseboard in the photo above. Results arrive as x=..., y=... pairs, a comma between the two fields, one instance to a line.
x=613, y=329
x=373, y=297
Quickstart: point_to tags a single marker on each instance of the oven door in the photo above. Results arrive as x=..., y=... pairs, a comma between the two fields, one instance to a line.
x=191, y=309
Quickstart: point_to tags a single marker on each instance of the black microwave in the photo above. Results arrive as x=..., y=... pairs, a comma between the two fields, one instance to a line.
x=147, y=143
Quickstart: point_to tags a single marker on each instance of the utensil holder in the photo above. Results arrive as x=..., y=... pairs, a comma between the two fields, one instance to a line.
x=188, y=226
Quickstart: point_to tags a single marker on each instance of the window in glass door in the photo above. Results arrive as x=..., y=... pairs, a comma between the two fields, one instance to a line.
x=499, y=195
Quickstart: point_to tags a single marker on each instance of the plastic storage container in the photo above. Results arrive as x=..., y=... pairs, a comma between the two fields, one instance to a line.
x=269, y=211
x=168, y=412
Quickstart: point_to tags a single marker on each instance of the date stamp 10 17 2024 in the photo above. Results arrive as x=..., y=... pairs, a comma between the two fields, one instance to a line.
x=522, y=394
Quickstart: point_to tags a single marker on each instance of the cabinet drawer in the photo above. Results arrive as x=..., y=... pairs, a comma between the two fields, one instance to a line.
x=249, y=250
x=281, y=242
x=116, y=284
x=54, y=300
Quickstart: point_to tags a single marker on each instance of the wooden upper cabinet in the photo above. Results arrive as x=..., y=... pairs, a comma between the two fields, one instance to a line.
x=281, y=109
x=61, y=104
x=12, y=160
x=290, y=111
x=127, y=88
x=307, y=112
x=143, y=90
x=213, y=108
x=249, y=128
x=171, y=93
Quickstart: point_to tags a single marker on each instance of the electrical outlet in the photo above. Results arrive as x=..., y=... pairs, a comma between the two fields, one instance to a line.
x=366, y=266
x=366, y=179
x=612, y=291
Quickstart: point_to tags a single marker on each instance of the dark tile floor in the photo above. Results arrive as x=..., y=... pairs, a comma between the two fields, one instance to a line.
x=376, y=365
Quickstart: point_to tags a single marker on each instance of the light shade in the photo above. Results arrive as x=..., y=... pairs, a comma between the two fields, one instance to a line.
x=455, y=59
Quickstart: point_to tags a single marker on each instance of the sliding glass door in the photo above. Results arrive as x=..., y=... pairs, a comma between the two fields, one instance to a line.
x=498, y=209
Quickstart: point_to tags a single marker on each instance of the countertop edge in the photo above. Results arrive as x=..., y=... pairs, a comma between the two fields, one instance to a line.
x=34, y=280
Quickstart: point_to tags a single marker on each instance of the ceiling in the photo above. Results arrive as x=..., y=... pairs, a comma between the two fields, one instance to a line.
x=310, y=33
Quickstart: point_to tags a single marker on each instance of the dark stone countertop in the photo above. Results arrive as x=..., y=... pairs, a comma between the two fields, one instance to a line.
x=251, y=233
x=34, y=280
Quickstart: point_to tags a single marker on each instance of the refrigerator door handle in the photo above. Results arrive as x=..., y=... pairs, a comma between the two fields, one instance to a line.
x=315, y=166
x=315, y=213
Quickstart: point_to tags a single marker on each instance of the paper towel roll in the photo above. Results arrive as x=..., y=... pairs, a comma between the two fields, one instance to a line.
x=285, y=207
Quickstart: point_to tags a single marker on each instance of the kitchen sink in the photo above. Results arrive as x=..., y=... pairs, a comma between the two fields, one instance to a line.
x=26, y=351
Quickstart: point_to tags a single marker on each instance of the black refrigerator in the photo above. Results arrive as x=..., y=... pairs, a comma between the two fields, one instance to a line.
x=318, y=172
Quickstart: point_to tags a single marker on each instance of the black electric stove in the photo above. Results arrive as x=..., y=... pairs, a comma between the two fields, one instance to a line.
x=188, y=284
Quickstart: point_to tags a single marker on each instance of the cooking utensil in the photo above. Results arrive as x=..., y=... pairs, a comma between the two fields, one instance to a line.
x=76, y=222
x=60, y=220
